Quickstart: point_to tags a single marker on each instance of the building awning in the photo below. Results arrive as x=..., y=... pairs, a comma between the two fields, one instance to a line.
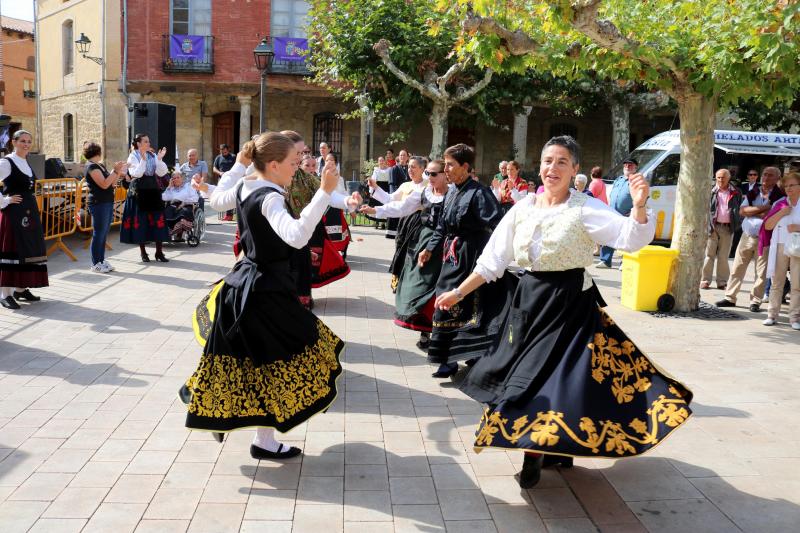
x=759, y=149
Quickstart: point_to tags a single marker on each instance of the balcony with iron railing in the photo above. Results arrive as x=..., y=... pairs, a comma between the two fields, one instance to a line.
x=187, y=53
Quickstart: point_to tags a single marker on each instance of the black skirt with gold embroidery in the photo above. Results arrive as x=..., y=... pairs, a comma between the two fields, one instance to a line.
x=564, y=379
x=273, y=365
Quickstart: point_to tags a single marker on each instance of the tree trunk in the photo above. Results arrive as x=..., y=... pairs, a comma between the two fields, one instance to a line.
x=521, y=134
x=620, y=129
x=438, y=120
x=690, y=233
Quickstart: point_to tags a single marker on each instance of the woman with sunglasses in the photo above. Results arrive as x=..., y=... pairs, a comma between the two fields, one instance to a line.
x=416, y=288
x=408, y=225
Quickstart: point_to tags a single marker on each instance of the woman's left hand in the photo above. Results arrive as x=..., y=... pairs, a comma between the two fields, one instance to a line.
x=640, y=190
x=446, y=300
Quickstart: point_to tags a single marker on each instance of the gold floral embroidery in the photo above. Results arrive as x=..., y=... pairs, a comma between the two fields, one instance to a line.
x=547, y=429
x=623, y=361
x=226, y=387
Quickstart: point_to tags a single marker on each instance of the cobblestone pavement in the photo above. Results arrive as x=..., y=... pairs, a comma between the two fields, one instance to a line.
x=92, y=435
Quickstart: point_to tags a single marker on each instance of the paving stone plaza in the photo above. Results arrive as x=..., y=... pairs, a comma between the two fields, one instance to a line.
x=92, y=434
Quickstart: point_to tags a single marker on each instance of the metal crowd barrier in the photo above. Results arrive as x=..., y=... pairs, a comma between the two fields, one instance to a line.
x=59, y=202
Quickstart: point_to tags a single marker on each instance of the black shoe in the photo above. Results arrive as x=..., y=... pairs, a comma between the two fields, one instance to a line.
x=755, y=308
x=725, y=303
x=145, y=257
x=556, y=460
x=445, y=371
x=9, y=303
x=531, y=471
x=160, y=258
x=26, y=296
x=185, y=394
x=284, y=452
x=219, y=437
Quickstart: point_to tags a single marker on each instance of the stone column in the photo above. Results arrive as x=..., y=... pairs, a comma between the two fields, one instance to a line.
x=521, y=135
x=244, y=120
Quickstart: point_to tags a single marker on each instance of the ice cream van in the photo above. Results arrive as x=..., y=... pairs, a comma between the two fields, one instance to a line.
x=738, y=151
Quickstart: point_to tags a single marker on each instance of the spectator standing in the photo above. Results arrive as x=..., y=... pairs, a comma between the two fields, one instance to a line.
x=755, y=205
x=597, y=185
x=751, y=185
x=193, y=166
x=22, y=247
x=724, y=221
x=783, y=221
x=222, y=163
x=100, y=202
x=622, y=202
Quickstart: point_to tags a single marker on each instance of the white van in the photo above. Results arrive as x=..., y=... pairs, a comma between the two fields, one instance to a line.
x=738, y=151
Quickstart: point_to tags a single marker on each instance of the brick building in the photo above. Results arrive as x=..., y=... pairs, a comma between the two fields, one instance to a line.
x=198, y=56
x=18, y=74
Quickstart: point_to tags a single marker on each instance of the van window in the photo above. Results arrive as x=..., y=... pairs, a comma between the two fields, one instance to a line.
x=666, y=173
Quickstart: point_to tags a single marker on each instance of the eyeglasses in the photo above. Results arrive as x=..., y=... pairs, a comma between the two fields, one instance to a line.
x=431, y=174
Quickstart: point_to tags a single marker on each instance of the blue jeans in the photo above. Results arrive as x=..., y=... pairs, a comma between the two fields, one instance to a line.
x=101, y=222
x=606, y=254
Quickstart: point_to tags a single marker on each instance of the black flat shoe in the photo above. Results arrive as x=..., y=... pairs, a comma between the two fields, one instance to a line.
x=9, y=303
x=284, y=452
x=161, y=259
x=185, y=394
x=556, y=460
x=145, y=258
x=26, y=296
x=531, y=471
x=219, y=437
x=446, y=372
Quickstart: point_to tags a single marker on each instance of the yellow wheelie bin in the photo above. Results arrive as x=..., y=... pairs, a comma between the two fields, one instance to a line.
x=645, y=276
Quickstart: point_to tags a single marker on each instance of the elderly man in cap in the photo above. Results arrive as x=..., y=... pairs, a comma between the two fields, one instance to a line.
x=621, y=200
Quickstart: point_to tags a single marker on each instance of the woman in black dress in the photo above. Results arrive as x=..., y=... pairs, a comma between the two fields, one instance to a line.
x=471, y=211
x=562, y=379
x=143, y=217
x=267, y=361
x=23, y=256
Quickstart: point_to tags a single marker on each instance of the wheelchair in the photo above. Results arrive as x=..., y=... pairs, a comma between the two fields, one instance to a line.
x=185, y=230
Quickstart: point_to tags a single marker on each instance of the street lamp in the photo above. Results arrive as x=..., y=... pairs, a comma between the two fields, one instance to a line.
x=263, y=55
x=84, y=44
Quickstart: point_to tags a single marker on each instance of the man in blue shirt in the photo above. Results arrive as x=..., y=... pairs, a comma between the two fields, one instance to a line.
x=620, y=199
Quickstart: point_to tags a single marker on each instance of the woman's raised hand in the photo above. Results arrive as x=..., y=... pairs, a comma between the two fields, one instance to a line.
x=640, y=190
x=330, y=178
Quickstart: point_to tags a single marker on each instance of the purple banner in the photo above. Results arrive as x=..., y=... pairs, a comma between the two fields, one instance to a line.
x=185, y=47
x=290, y=48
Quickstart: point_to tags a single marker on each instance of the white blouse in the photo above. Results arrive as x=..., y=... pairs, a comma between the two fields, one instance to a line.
x=407, y=206
x=220, y=201
x=185, y=194
x=5, y=171
x=602, y=224
x=137, y=167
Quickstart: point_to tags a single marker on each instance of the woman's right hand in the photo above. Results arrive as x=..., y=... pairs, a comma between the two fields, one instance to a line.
x=243, y=159
x=330, y=178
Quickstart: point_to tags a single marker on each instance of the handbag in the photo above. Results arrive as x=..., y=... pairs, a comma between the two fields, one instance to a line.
x=792, y=245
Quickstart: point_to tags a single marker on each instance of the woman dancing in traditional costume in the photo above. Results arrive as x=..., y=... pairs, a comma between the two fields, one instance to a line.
x=23, y=255
x=470, y=213
x=562, y=378
x=416, y=287
x=267, y=361
x=409, y=224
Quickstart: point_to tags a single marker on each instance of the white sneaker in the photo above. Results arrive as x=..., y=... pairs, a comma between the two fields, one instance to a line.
x=108, y=266
x=769, y=322
x=796, y=326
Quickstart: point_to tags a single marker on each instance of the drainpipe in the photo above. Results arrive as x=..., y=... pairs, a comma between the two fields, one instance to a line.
x=124, y=81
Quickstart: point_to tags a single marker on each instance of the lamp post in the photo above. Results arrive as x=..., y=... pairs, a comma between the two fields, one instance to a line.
x=263, y=55
x=84, y=44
